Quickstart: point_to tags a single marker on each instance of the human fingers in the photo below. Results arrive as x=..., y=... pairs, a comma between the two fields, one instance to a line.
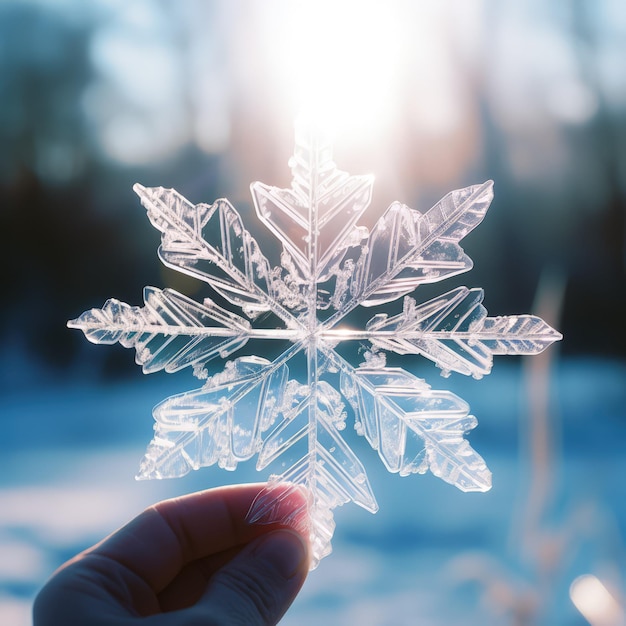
x=258, y=585
x=163, y=559
x=160, y=542
x=254, y=589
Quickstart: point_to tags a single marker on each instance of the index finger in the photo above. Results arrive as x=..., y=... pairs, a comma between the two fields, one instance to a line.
x=158, y=543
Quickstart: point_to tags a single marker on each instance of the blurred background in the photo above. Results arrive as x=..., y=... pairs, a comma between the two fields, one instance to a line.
x=429, y=96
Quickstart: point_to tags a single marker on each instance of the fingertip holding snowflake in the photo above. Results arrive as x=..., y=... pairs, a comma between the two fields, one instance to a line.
x=329, y=267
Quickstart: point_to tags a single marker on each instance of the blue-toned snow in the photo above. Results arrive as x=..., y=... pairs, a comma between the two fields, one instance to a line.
x=431, y=556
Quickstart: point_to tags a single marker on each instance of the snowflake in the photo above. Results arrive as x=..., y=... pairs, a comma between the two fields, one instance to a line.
x=329, y=268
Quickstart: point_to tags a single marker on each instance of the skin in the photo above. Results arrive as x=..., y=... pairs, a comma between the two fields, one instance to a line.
x=188, y=561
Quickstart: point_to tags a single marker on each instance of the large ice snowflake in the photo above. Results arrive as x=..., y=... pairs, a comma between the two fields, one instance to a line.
x=329, y=266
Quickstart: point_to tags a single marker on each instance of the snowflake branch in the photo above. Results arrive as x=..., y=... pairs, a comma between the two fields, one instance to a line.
x=398, y=259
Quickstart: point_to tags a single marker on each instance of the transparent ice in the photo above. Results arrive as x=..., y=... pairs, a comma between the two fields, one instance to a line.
x=291, y=410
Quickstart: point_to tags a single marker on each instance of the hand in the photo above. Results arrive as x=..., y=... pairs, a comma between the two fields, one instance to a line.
x=189, y=561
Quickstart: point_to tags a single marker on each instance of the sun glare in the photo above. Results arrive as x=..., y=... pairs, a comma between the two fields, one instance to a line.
x=341, y=60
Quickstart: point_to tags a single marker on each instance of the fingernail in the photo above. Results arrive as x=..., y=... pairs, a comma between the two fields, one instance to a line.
x=283, y=550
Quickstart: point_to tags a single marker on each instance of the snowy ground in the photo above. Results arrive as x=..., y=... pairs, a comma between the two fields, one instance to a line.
x=432, y=555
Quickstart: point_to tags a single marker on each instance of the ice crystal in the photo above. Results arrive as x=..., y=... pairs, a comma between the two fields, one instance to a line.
x=329, y=266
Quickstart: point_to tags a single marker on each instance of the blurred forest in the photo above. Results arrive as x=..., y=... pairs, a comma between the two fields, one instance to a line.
x=95, y=96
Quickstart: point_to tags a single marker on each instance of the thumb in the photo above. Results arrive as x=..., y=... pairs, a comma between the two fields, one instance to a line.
x=257, y=586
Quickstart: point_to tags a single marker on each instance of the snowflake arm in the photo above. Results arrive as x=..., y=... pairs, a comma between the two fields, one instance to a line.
x=455, y=333
x=308, y=440
x=170, y=332
x=406, y=249
x=338, y=201
x=413, y=427
x=222, y=422
x=209, y=242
